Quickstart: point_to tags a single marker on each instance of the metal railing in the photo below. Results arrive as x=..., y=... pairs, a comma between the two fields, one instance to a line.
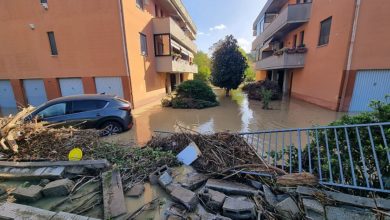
x=351, y=156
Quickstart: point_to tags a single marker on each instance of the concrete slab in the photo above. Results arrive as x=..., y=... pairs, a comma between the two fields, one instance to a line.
x=21, y=212
x=230, y=188
x=185, y=197
x=57, y=188
x=136, y=191
x=93, y=164
x=27, y=194
x=288, y=209
x=165, y=179
x=269, y=196
x=347, y=198
x=313, y=209
x=238, y=209
x=213, y=199
x=31, y=173
x=113, y=199
x=337, y=213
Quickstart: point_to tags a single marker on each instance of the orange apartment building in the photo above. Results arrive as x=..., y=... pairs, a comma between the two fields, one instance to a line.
x=136, y=49
x=333, y=53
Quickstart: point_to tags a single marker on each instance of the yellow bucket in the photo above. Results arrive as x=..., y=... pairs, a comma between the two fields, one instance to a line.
x=75, y=154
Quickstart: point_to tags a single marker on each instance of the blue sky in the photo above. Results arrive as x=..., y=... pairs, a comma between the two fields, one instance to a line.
x=217, y=18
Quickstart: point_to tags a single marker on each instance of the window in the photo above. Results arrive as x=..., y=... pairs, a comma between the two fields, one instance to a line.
x=144, y=45
x=43, y=1
x=302, y=38
x=325, y=31
x=260, y=26
x=295, y=41
x=52, y=42
x=53, y=110
x=162, y=45
x=140, y=4
x=87, y=105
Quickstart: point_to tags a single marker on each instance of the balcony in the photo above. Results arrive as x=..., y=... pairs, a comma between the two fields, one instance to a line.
x=284, y=61
x=168, y=64
x=289, y=19
x=168, y=25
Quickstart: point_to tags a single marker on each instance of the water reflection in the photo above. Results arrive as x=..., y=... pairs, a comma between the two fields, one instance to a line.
x=235, y=114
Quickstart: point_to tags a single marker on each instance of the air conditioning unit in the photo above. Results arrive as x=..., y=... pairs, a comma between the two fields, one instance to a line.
x=45, y=6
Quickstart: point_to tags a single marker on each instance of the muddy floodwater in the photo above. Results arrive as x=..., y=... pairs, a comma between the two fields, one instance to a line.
x=235, y=114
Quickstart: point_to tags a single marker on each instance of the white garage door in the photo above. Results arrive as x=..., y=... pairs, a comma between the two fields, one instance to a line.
x=35, y=91
x=109, y=85
x=7, y=98
x=71, y=86
x=369, y=85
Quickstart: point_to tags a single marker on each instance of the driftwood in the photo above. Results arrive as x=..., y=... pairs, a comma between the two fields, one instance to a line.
x=7, y=134
x=297, y=179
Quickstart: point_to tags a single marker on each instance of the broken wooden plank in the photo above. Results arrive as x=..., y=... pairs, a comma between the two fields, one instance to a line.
x=113, y=198
x=31, y=173
x=93, y=164
x=18, y=211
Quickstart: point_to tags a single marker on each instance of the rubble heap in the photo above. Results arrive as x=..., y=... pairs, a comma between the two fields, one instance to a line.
x=22, y=140
x=221, y=152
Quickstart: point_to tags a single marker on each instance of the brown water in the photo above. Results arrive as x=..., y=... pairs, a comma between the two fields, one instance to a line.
x=235, y=114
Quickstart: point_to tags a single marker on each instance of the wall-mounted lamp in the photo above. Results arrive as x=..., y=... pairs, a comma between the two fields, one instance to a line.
x=32, y=26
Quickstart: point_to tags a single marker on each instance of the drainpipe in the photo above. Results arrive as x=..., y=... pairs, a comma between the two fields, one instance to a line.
x=350, y=53
x=125, y=54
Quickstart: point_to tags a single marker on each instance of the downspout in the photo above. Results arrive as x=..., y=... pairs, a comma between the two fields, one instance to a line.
x=350, y=53
x=125, y=54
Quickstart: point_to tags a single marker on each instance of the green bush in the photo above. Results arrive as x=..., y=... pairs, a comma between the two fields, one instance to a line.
x=266, y=96
x=190, y=103
x=196, y=89
x=254, y=89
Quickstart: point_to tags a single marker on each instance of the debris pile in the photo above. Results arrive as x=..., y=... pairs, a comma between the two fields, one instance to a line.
x=214, y=176
x=22, y=140
x=221, y=152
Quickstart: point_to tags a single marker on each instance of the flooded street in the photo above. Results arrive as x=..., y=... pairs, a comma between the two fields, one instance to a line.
x=235, y=114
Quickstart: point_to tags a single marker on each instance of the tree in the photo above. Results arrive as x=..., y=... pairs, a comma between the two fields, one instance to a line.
x=203, y=61
x=227, y=64
x=250, y=74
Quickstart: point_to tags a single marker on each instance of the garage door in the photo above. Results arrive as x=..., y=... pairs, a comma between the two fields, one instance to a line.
x=7, y=98
x=109, y=85
x=369, y=85
x=71, y=86
x=35, y=91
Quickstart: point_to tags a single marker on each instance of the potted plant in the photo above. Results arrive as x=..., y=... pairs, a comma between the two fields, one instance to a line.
x=302, y=48
x=291, y=50
x=176, y=56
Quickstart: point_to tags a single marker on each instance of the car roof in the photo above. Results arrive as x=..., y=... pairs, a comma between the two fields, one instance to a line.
x=82, y=97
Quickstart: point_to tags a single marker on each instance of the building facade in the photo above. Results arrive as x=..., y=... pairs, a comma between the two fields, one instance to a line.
x=136, y=49
x=330, y=53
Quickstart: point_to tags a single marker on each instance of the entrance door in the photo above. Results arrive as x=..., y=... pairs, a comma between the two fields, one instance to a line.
x=35, y=91
x=109, y=86
x=71, y=86
x=369, y=85
x=173, y=81
x=7, y=98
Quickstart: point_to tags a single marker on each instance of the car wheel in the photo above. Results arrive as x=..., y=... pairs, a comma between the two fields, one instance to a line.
x=111, y=128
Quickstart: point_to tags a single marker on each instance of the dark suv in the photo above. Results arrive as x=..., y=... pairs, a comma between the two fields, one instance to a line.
x=109, y=113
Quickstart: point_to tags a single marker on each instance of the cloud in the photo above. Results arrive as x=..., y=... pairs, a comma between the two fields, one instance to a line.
x=244, y=44
x=218, y=27
x=201, y=33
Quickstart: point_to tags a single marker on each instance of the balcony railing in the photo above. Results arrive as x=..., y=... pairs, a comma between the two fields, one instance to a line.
x=169, y=64
x=289, y=19
x=168, y=25
x=284, y=61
